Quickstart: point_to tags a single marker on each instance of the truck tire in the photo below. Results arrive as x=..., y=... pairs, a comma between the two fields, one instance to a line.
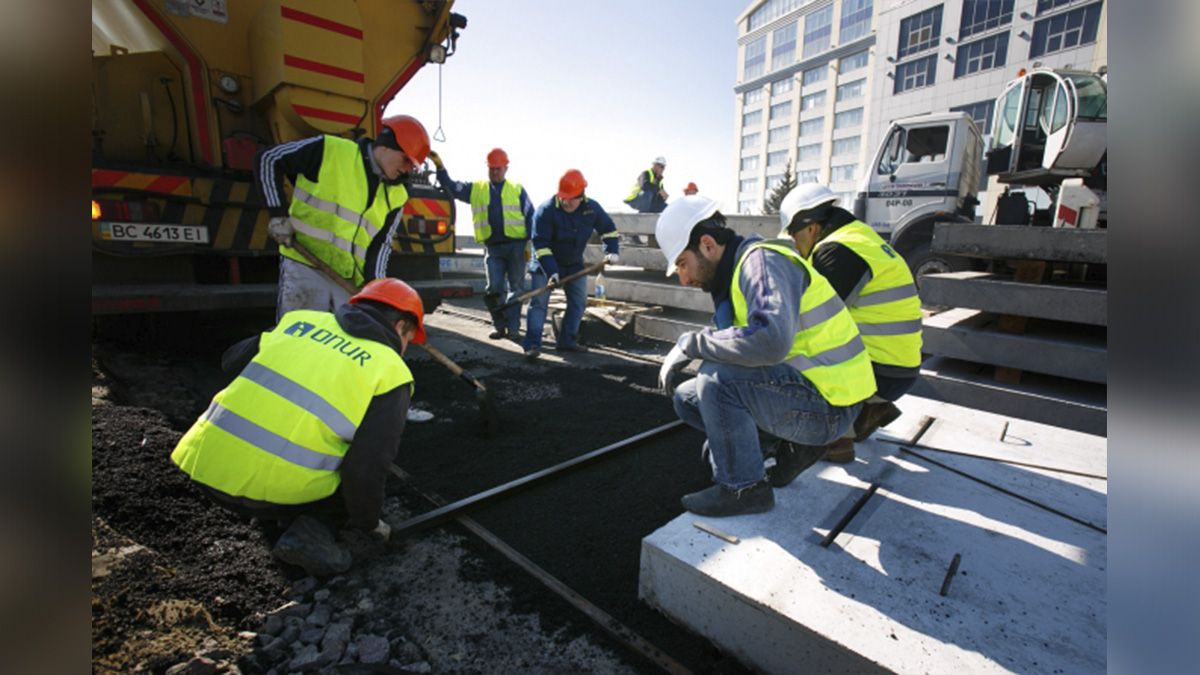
x=922, y=260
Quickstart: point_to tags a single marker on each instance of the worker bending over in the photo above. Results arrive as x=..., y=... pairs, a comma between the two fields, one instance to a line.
x=347, y=200
x=503, y=218
x=561, y=229
x=306, y=432
x=875, y=283
x=784, y=359
x=648, y=194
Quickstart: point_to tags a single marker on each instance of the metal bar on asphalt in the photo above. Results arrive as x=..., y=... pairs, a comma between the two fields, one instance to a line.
x=950, y=574
x=448, y=511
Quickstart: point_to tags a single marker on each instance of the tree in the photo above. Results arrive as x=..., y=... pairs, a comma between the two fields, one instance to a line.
x=772, y=203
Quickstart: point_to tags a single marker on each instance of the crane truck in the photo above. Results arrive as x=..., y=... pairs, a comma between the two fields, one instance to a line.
x=185, y=92
x=1049, y=136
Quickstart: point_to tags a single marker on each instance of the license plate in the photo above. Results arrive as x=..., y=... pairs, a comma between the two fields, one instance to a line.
x=179, y=234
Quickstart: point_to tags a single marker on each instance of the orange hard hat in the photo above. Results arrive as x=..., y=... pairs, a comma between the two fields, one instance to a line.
x=691, y=189
x=395, y=293
x=571, y=184
x=497, y=158
x=405, y=133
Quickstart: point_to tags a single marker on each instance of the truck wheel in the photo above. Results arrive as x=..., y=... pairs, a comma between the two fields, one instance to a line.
x=922, y=261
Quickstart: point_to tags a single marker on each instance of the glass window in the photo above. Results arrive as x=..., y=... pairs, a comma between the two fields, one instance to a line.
x=783, y=47
x=778, y=158
x=1010, y=107
x=779, y=134
x=1044, y=6
x=812, y=101
x=752, y=97
x=981, y=112
x=842, y=172
x=818, y=30
x=751, y=141
x=774, y=181
x=781, y=110
x=1064, y=31
x=915, y=74
x=920, y=32
x=752, y=119
x=756, y=59
x=1092, y=97
x=782, y=86
x=750, y=163
x=850, y=90
x=771, y=10
x=812, y=127
x=748, y=185
x=981, y=15
x=815, y=75
x=990, y=52
x=848, y=119
x=853, y=62
x=808, y=176
x=808, y=152
x=746, y=207
x=926, y=144
x=846, y=146
x=893, y=153
x=856, y=20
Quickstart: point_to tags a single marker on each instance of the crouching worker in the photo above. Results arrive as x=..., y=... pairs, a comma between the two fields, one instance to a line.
x=307, y=430
x=784, y=361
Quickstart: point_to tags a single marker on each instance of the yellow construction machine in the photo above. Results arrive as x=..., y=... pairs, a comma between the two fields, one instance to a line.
x=185, y=92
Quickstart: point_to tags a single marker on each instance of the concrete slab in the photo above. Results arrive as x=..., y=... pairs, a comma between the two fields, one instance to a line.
x=1001, y=295
x=1029, y=594
x=1021, y=242
x=1065, y=350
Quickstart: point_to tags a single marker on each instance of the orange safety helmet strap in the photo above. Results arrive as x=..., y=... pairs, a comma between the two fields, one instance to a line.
x=408, y=134
x=395, y=293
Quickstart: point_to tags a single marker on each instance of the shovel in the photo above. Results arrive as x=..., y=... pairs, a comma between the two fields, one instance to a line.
x=497, y=309
x=487, y=407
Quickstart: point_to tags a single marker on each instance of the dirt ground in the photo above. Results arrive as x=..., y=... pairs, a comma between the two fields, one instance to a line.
x=181, y=585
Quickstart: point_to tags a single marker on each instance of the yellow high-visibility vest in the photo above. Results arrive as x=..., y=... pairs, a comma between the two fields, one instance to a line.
x=510, y=206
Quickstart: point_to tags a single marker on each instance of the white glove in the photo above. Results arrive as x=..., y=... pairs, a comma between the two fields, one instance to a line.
x=611, y=258
x=382, y=531
x=281, y=230
x=553, y=281
x=675, y=361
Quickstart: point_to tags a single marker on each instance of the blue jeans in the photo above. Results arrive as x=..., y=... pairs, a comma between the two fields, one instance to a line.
x=731, y=404
x=505, y=264
x=536, y=316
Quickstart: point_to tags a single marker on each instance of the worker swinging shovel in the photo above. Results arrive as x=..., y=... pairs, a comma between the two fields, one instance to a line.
x=497, y=309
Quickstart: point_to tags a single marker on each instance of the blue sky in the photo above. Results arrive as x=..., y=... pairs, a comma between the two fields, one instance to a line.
x=602, y=86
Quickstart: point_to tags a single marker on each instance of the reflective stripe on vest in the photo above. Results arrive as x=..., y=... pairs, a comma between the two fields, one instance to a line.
x=887, y=309
x=827, y=349
x=510, y=210
x=330, y=216
x=279, y=431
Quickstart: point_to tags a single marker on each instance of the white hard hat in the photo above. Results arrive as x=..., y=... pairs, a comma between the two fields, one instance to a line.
x=660, y=160
x=802, y=198
x=675, y=225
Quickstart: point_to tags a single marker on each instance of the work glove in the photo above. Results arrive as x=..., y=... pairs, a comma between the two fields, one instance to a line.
x=436, y=159
x=281, y=230
x=382, y=531
x=611, y=258
x=553, y=280
x=674, y=362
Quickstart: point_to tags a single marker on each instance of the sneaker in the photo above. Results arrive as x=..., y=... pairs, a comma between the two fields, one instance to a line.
x=417, y=415
x=873, y=416
x=841, y=451
x=497, y=334
x=791, y=459
x=570, y=348
x=532, y=353
x=719, y=501
x=307, y=543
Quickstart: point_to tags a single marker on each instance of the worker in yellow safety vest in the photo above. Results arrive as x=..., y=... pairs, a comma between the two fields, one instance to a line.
x=648, y=194
x=503, y=219
x=347, y=201
x=783, y=359
x=877, y=286
x=306, y=431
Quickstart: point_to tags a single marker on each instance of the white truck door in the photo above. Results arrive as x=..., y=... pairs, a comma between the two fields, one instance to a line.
x=1006, y=129
x=1057, y=119
x=910, y=177
x=1077, y=133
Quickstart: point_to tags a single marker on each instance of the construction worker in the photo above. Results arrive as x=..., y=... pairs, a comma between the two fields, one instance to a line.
x=648, y=195
x=690, y=190
x=784, y=359
x=347, y=200
x=307, y=429
x=875, y=283
x=503, y=218
x=561, y=229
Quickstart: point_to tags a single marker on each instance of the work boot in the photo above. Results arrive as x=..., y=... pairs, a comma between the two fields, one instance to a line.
x=513, y=335
x=841, y=451
x=871, y=417
x=532, y=353
x=497, y=334
x=310, y=545
x=719, y=501
x=791, y=459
